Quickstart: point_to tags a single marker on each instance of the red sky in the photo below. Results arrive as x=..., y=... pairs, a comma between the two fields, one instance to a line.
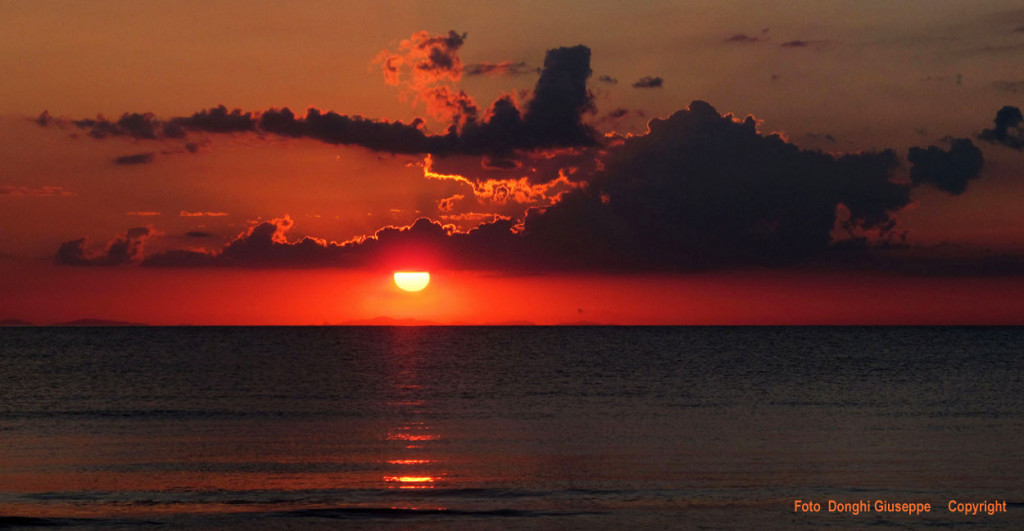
x=592, y=214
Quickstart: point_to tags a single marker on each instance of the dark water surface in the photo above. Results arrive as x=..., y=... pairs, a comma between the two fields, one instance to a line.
x=507, y=428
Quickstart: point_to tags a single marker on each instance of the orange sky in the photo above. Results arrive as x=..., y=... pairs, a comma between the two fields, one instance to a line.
x=842, y=77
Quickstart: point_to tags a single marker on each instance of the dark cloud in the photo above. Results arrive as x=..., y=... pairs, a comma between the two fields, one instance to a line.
x=607, y=79
x=1008, y=130
x=648, y=82
x=504, y=68
x=441, y=51
x=135, y=125
x=138, y=158
x=147, y=126
x=1013, y=87
x=702, y=189
x=948, y=170
x=198, y=234
x=44, y=119
x=122, y=250
x=422, y=244
x=802, y=44
x=214, y=120
x=822, y=136
x=500, y=163
x=552, y=117
x=333, y=128
x=699, y=190
x=621, y=118
x=743, y=38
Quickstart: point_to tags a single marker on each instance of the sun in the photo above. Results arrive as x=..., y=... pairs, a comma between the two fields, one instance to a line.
x=412, y=280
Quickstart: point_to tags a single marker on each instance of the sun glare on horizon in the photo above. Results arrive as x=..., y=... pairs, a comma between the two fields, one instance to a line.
x=412, y=280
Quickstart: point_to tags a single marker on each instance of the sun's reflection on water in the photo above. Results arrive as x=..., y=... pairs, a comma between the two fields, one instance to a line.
x=409, y=463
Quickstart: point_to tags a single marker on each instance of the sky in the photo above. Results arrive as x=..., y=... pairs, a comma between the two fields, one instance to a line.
x=687, y=162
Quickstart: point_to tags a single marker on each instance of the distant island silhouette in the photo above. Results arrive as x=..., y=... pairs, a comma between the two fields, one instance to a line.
x=374, y=321
x=98, y=322
x=14, y=322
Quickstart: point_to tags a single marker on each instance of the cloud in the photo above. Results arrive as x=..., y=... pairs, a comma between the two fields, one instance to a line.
x=607, y=79
x=477, y=217
x=146, y=126
x=620, y=117
x=803, y=44
x=948, y=170
x=822, y=136
x=500, y=163
x=500, y=191
x=135, y=125
x=448, y=204
x=333, y=128
x=143, y=213
x=1008, y=130
x=265, y=244
x=122, y=250
x=44, y=119
x=699, y=190
x=552, y=117
x=1012, y=87
x=198, y=234
x=426, y=67
x=504, y=68
x=187, y=214
x=138, y=158
x=215, y=120
x=648, y=82
x=743, y=38
x=34, y=191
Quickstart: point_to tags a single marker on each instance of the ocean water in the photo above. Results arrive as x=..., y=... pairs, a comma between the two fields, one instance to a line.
x=507, y=427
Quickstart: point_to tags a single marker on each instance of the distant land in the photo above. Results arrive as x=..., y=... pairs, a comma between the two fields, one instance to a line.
x=14, y=322
x=388, y=321
x=98, y=322
x=391, y=321
x=76, y=322
x=375, y=321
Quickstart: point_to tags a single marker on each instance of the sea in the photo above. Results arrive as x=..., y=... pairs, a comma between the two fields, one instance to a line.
x=511, y=427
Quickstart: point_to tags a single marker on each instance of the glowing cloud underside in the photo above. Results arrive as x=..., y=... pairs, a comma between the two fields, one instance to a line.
x=412, y=281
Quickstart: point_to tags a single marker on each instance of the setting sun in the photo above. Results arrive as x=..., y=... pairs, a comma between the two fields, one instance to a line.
x=412, y=281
